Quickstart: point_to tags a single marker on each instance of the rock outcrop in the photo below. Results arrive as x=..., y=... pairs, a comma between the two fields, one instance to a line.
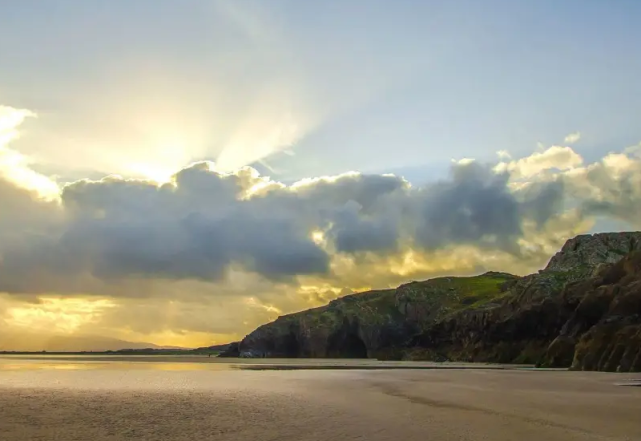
x=231, y=350
x=603, y=332
x=593, y=251
x=583, y=310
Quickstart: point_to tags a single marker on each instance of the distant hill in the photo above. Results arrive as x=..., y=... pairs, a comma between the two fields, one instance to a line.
x=71, y=343
x=215, y=348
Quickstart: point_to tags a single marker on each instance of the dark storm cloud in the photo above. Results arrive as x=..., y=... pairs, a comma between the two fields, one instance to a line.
x=473, y=204
x=194, y=229
x=541, y=202
x=352, y=232
x=206, y=222
x=21, y=209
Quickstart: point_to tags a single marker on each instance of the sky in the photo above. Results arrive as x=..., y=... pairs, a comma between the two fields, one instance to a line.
x=181, y=172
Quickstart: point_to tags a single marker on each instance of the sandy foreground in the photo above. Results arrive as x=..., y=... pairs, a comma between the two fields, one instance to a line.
x=183, y=403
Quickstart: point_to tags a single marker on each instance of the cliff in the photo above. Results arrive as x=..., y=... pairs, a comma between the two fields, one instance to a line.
x=583, y=310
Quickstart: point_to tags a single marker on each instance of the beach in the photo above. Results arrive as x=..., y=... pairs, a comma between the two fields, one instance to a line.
x=124, y=400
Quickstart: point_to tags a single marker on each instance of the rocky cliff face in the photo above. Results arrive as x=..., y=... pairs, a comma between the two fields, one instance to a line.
x=582, y=310
x=603, y=331
x=594, y=250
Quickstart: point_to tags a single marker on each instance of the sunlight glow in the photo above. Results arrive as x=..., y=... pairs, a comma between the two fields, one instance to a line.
x=156, y=173
x=253, y=302
x=57, y=315
x=15, y=166
x=318, y=237
x=168, y=157
x=176, y=337
x=257, y=139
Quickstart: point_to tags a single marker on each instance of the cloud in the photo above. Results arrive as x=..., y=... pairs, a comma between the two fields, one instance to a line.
x=213, y=249
x=572, y=138
x=555, y=158
x=473, y=207
x=352, y=233
x=610, y=187
x=106, y=234
x=205, y=222
x=14, y=166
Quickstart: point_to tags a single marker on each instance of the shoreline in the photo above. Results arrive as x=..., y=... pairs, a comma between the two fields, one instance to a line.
x=257, y=364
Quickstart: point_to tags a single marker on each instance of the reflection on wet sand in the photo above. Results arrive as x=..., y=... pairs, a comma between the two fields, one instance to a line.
x=188, y=363
x=113, y=400
x=114, y=365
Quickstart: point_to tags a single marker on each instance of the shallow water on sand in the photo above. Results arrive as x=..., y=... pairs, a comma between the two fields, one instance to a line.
x=174, y=398
x=200, y=362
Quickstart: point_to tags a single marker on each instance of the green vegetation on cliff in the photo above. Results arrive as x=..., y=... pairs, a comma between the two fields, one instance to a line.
x=437, y=298
x=379, y=323
x=559, y=316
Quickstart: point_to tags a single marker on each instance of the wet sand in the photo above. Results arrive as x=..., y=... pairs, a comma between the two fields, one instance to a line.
x=125, y=402
x=200, y=362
